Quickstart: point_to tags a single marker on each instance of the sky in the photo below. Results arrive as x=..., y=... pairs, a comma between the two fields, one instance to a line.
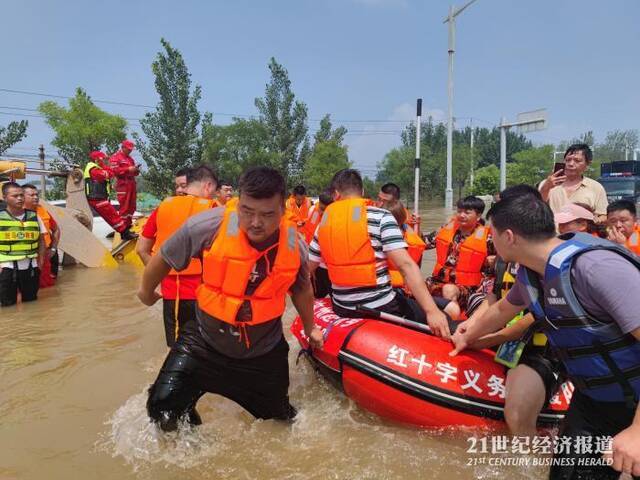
x=365, y=62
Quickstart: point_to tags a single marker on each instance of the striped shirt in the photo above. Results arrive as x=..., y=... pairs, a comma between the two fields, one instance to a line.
x=385, y=235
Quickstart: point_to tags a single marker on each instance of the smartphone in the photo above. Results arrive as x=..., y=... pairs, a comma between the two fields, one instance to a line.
x=558, y=166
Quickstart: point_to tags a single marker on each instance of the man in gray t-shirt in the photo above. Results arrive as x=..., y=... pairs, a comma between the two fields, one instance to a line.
x=595, y=351
x=239, y=350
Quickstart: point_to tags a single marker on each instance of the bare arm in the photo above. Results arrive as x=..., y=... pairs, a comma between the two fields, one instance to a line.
x=508, y=333
x=413, y=279
x=494, y=319
x=153, y=274
x=144, y=246
x=303, y=301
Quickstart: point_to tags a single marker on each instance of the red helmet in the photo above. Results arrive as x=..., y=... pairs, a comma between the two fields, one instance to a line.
x=128, y=144
x=97, y=155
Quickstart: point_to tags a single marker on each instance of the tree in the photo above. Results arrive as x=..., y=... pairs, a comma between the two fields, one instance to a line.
x=82, y=128
x=487, y=181
x=616, y=144
x=371, y=187
x=12, y=134
x=530, y=166
x=234, y=148
x=397, y=167
x=326, y=133
x=173, y=139
x=326, y=159
x=286, y=123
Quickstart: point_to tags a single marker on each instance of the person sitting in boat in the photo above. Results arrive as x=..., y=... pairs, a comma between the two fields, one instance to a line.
x=464, y=253
x=623, y=229
x=355, y=241
x=576, y=217
x=320, y=278
x=390, y=192
x=415, y=248
x=298, y=206
x=534, y=375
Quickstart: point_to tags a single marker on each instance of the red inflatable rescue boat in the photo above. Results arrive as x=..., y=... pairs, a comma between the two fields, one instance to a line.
x=407, y=376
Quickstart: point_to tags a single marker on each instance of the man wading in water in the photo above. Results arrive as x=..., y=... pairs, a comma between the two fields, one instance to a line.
x=251, y=256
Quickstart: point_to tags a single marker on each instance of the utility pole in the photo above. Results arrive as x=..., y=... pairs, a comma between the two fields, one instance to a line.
x=471, y=176
x=526, y=122
x=451, y=19
x=416, y=180
x=43, y=179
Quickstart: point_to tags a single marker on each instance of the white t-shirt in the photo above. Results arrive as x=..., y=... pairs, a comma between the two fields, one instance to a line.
x=24, y=263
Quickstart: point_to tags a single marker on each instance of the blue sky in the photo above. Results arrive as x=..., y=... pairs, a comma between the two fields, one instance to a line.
x=363, y=61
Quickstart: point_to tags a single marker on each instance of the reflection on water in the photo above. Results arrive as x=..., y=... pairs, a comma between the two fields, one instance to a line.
x=75, y=367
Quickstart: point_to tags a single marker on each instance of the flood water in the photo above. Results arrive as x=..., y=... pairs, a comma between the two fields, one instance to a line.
x=75, y=367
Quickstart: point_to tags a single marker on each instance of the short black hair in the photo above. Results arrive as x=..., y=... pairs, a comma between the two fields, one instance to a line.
x=201, y=173
x=580, y=147
x=325, y=197
x=527, y=216
x=619, y=205
x=471, y=203
x=519, y=191
x=7, y=186
x=183, y=172
x=391, y=189
x=29, y=185
x=347, y=180
x=224, y=183
x=299, y=190
x=261, y=183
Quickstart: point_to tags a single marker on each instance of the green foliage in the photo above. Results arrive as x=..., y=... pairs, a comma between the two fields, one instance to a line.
x=285, y=119
x=82, y=128
x=487, y=181
x=326, y=159
x=327, y=156
x=234, y=148
x=12, y=134
x=397, y=167
x=173, y=139
x=371, y=188
x=530, y=166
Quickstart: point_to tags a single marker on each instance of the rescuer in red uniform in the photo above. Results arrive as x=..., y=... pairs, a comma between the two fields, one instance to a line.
x=97, y=189
x=125, y=170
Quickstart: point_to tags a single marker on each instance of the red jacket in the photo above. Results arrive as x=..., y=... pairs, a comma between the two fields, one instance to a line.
x=102, y=174
x=120, y=163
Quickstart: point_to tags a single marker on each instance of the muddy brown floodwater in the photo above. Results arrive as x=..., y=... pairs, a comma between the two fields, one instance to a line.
x=75, y=367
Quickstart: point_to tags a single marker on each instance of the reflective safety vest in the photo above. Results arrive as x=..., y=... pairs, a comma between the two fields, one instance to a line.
x=18, y=238
x=298, y=213
x=472, y=254
x=344, y=241
x=171, y=215
x=416, y=247
x=309, y=228
x=95, y=190
x=633, y=242
x=602, y=362
x=229, y=265
x=45, y=216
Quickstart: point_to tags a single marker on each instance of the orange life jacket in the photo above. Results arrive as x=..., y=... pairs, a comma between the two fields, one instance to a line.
x=416, y=247
x=298, y=213
x=171, y=215
x=410, y=221
x=633, y=242
x=45, y=216
x=472, y=254
x=312, y=223
x=228, y=266
x=345, y=245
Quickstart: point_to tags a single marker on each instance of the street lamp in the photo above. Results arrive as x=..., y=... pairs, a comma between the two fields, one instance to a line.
x=526, y=122
x=451, y=18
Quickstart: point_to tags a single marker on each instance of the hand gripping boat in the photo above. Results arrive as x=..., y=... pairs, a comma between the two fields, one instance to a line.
x=407, y=376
